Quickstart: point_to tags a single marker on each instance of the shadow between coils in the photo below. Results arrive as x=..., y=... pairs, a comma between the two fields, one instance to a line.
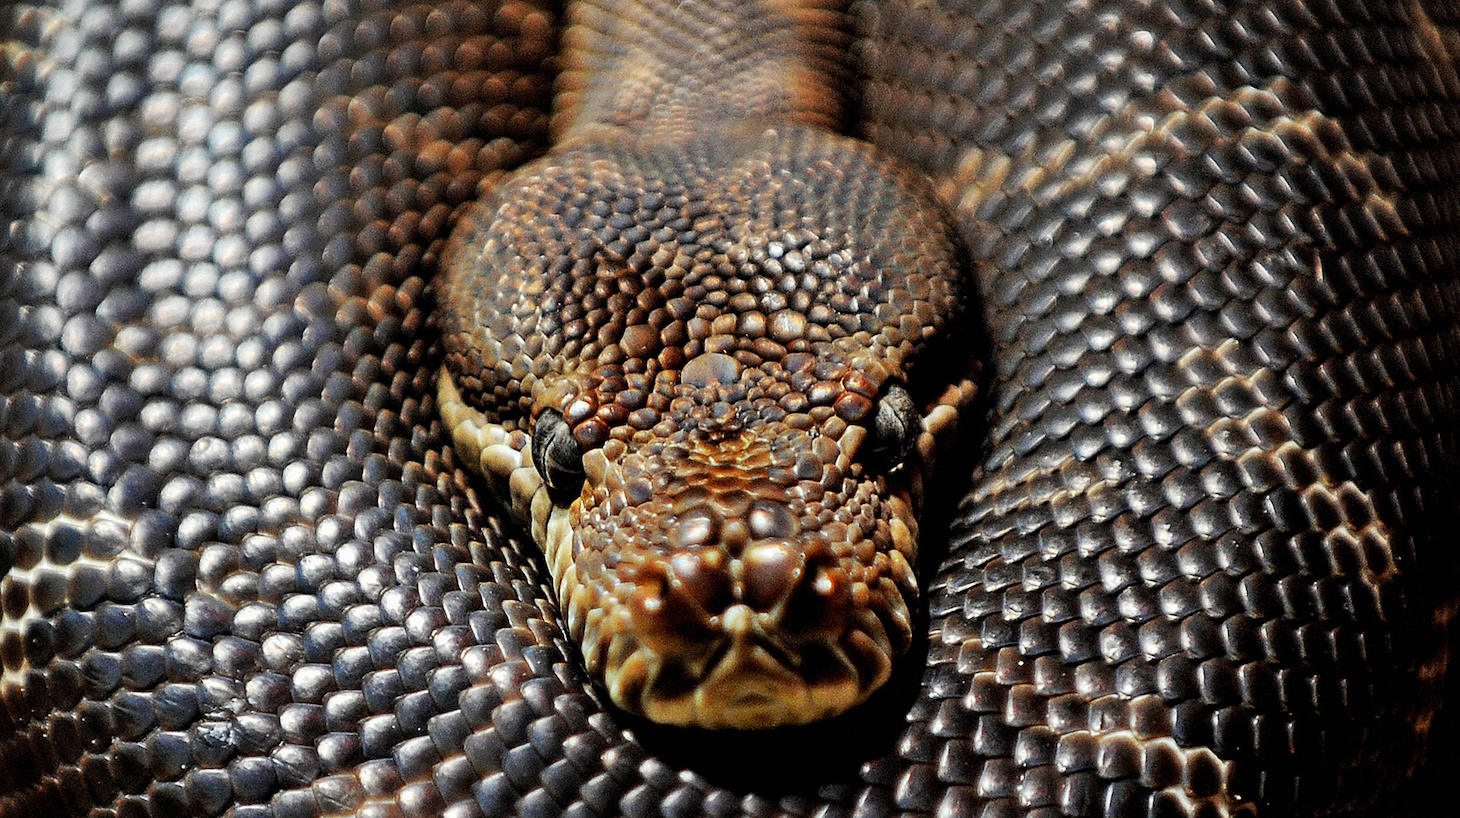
x=793, y=760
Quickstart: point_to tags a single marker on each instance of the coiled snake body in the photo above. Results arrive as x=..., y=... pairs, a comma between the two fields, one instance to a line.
x=1212, y=256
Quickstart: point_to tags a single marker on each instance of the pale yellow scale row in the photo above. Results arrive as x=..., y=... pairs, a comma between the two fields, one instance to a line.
x=503, y=457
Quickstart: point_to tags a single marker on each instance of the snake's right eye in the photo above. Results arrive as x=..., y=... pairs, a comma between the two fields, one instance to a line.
x=557, y=454
x=894, y=429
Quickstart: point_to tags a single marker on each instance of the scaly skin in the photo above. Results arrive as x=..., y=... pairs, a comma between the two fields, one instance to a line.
x=722, y=300
x=1205, y=566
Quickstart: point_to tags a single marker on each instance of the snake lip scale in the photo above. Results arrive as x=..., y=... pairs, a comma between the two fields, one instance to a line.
x=708, y=272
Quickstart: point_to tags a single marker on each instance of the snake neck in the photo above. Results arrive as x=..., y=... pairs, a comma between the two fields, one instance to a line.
x=670, y=71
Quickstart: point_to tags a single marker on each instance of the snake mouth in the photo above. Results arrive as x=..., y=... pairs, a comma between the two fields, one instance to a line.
x=748, y=688
x=743, y=679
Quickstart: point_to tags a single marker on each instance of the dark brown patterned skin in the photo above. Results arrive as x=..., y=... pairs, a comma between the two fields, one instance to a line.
x=1205, y=567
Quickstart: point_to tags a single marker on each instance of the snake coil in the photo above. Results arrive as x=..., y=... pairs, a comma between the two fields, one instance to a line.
x=1204, y=567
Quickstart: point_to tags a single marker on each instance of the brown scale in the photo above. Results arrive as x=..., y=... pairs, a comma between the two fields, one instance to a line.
x=717, y=295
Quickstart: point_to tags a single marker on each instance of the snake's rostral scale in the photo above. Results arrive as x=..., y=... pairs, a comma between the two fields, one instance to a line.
x=1205, y=563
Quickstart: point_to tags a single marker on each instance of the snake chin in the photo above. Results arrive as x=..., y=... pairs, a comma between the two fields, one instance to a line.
x=745, y=680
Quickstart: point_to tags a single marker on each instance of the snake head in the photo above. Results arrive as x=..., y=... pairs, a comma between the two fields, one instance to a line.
x=702, y=375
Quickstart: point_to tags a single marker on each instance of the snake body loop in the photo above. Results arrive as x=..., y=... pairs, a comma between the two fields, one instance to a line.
x=1204, y=567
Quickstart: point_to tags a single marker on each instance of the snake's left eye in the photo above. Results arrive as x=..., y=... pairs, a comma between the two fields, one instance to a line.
x=557, y=454
x=894, y=428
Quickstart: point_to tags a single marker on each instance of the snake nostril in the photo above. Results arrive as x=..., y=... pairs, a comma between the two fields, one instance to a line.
x=818, y=605
x=771, y=571
x=703, y=579
x=666, y=617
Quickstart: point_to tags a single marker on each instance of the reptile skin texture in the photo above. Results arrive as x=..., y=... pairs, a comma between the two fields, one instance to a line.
x=1203, y=563
x=738, y=342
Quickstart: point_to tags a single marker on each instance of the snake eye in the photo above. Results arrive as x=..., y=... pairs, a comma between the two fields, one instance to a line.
x=556, y=454
x=894, y=428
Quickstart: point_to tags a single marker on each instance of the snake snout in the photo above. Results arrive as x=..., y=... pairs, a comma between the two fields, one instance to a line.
x=792, y=588
x=745, y=618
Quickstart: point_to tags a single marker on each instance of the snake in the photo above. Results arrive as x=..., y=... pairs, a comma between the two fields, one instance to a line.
x=699, y=408
x=720, y=317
